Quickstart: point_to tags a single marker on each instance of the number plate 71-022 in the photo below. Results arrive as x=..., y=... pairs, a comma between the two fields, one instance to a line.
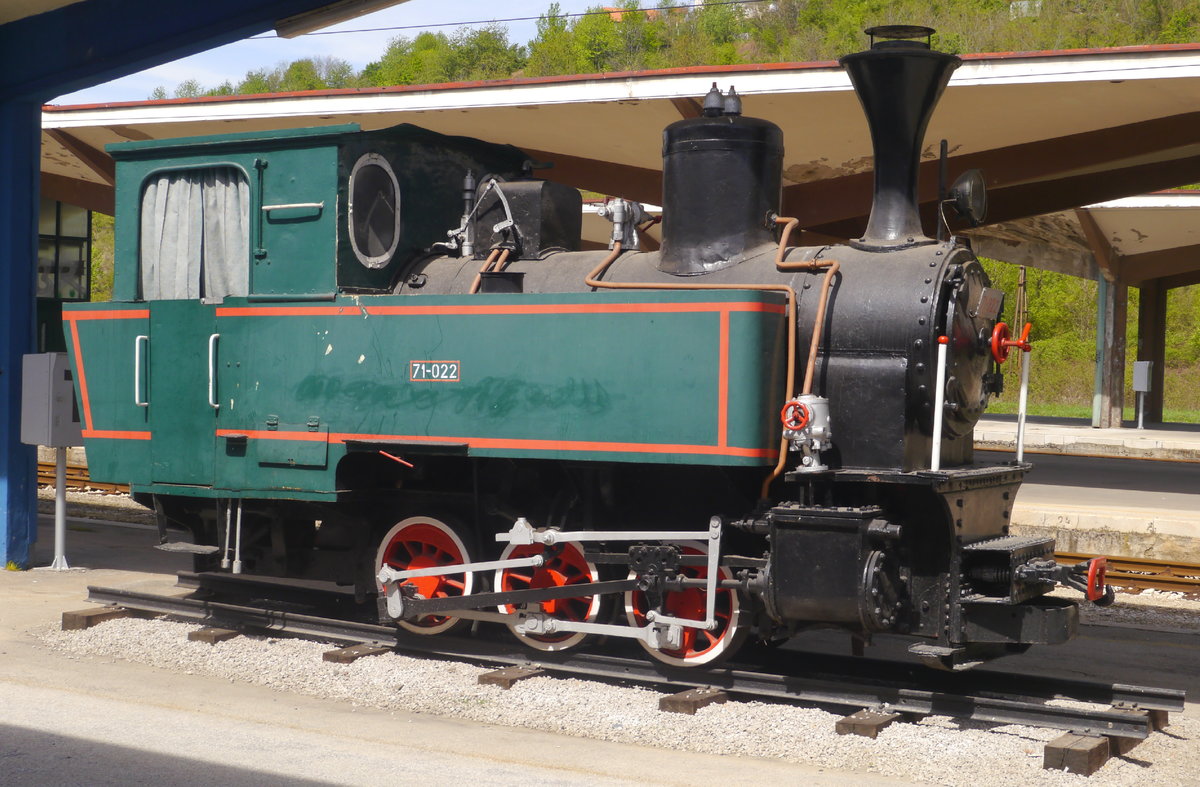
x=434, y=371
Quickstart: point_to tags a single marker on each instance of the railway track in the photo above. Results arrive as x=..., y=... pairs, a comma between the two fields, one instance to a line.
x=77, y=478
x=1127, y=572
x=1124, y=572
x=1099, y=709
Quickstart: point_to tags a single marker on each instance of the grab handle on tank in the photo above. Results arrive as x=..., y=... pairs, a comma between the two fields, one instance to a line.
x=137, y=371
x=212, y=371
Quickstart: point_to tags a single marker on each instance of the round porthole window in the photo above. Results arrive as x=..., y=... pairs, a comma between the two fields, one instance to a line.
x=374, y=211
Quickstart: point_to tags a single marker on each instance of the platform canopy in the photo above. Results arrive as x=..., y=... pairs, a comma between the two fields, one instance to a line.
x=1151, y=237
x=1050, y=130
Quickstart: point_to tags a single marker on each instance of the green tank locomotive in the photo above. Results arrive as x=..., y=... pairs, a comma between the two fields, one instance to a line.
x=382, y=358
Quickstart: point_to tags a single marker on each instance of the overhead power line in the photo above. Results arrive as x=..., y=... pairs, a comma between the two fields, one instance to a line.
x=574, y=15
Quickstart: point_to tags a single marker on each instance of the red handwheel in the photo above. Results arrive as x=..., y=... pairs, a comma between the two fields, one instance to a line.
x=1000, y=342
x=1097, y=570
x=795, y=416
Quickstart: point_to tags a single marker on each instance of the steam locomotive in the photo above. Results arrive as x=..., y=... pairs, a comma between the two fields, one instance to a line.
x=381, y=359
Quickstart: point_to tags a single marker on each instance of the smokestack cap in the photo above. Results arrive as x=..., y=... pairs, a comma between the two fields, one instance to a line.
x=896, y=36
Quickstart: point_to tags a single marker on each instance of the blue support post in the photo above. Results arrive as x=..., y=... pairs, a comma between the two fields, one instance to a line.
x=20, y=139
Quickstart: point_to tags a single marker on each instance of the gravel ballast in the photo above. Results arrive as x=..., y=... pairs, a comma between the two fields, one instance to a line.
x=936, y=750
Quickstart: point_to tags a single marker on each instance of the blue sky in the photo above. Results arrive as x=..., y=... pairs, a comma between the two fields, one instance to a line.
x=231, y=62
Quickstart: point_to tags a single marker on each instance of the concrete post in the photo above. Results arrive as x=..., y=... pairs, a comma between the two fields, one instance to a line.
x=20, y=140
x=1152, y=343
x=1098, y=380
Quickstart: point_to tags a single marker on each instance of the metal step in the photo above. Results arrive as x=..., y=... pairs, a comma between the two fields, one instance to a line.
x=190, y=549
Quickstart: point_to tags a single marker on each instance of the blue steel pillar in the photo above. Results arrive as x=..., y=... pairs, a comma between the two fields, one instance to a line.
x=20, y=139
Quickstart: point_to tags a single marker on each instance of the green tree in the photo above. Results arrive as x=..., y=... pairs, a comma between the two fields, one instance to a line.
x=552, y=50
x=594, y=42
x=484, y=53
x=102, y=257
x=189, y=88
x=416, y=61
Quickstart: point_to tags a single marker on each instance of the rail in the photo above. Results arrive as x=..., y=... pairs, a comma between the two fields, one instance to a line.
x=77, y=478
x=1128, y=572
x=984, y=696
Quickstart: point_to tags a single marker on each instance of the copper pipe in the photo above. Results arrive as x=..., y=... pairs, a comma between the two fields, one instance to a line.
x=831, y=268
x=789, y=224
x=593, y=281
x=479, y=276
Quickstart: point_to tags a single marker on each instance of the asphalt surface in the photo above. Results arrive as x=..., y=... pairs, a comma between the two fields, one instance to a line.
x=1103, y=482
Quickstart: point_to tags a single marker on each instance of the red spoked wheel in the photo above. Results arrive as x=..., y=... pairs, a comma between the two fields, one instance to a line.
x=699, y=646
x=565, y=565
x=425, y=542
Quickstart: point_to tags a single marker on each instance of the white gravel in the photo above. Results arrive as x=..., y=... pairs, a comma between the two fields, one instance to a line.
x=935, y=750
x=1152, y=610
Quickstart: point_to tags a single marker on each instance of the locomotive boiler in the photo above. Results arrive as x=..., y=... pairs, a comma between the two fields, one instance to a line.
x=381, y=359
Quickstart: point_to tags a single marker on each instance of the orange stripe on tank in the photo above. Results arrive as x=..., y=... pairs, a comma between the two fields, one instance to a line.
x=83, y=390
x=723, y=383
x=107, y=314
x=498, y=309
x=116, y=434
x=509, y=443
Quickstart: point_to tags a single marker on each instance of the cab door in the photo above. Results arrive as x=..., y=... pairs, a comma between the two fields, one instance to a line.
x=295, y=224
x=183, y=408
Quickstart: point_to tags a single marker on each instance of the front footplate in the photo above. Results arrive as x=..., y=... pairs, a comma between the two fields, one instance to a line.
x=992, y=630
x=1043, y=621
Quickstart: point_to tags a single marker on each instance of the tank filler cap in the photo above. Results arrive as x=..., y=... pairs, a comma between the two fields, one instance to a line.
x=714, y=102
x=733, y=102
x=900, y=36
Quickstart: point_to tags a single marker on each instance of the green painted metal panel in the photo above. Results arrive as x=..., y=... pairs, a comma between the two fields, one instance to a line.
x=600, y=377
x=686, y=377
x=102, y=342
x=279, y=467
x=296, y=218
x=182, y=420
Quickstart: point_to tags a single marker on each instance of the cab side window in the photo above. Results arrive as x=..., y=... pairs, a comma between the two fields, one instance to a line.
x=374, y=211
x=195, y=234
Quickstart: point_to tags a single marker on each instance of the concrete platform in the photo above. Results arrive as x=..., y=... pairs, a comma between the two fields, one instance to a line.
x=1123, y=492
x=1076, y=437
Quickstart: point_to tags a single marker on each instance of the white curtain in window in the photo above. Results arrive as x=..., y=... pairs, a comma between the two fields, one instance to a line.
x=195, y=235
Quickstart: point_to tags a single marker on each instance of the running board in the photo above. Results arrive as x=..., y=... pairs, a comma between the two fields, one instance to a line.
x=186, y=548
